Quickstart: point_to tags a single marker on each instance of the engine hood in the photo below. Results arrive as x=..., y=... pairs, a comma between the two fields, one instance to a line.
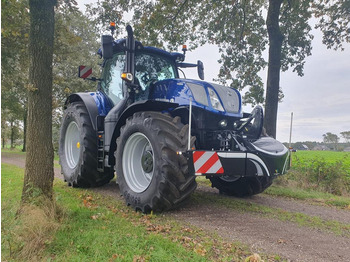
x=202, y=94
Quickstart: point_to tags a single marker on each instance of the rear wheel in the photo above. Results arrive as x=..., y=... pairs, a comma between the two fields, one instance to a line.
x=150, y=173
x=241, y=186
x=78, y=149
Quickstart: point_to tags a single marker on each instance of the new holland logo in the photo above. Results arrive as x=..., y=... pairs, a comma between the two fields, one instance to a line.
x=207, y=162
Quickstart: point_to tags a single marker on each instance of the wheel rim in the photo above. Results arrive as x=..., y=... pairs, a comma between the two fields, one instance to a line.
x=138, y=162
x=72, y=144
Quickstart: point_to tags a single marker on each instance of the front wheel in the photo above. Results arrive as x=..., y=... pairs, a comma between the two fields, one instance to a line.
x=150, y=173
x=241, y=186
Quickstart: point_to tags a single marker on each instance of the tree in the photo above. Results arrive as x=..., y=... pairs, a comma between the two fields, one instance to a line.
x=39, y=172
x=75, y=44
x=242, y=32
x=14, y=60
x=346, y=136
x=330, y=138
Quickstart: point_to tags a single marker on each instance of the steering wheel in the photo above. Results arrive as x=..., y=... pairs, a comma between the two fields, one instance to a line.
x=253, y=131
x=147, y=77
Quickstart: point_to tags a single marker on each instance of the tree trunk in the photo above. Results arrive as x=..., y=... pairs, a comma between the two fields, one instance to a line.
x=39, y=171
x=274, y=67
x=12, y=134
x=25, y=129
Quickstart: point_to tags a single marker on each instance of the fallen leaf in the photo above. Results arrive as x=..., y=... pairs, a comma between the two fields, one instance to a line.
x=200, y=250
x=281, y=241
x=139, y=259
x=254, y=258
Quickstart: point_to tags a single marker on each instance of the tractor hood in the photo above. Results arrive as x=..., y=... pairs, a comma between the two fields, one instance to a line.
x=213, y=97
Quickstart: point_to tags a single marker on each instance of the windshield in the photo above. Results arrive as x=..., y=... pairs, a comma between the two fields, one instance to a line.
x=151, y=68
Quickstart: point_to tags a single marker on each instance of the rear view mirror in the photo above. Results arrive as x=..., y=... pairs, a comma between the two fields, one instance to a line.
x=200, y=69
x=107, y=46
x=84, y=72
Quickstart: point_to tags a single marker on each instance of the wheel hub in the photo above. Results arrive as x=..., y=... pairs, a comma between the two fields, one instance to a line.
x=147, y=161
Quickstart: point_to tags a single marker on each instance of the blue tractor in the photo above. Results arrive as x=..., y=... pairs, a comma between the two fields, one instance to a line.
x=158, y=131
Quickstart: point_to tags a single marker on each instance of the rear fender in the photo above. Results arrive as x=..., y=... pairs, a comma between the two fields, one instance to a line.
x=89, y=103
x=96, y=104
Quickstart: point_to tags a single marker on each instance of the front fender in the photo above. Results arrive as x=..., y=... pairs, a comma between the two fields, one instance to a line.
x=116, y=120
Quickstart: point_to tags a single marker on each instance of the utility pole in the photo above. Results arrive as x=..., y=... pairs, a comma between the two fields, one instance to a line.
x=291, y=126
x=290, y=138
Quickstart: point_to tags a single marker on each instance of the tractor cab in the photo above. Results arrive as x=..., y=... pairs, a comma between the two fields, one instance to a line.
x=151, y=66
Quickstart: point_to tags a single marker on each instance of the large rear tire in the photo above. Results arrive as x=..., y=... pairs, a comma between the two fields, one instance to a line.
x=150, y=173
x=78, y=149
x=241, y=187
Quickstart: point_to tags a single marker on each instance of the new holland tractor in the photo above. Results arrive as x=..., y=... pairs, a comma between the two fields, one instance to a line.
x=157, y=131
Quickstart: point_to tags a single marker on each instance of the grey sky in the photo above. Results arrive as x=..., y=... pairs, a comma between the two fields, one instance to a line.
x=320, y=100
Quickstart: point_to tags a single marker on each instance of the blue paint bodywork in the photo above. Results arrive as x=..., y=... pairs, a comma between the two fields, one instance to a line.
x=178, y=91
x=174, y=91
x=102, y=102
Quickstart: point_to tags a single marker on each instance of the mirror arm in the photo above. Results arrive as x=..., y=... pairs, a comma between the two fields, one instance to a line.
x=94, y=79
x=186, y=65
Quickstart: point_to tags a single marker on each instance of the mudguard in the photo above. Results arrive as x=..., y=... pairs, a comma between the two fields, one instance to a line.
x=116, y=119
x=96, y=104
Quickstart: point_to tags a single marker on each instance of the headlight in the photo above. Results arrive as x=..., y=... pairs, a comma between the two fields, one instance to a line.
x=223, y=123
x=214, y=100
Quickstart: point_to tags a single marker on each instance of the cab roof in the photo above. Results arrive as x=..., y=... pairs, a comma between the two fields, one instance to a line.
x=120, y=46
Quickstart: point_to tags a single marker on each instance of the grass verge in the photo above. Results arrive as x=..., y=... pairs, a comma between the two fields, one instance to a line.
x=311, y=195
x=290, y=191
x=299, y=218
x=100, y=228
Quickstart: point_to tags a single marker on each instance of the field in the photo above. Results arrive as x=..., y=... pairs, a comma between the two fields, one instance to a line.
x=322, y=170
x=301, y=158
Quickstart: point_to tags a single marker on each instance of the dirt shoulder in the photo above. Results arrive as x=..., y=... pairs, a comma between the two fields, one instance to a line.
x=292, y=205
x=261, y=233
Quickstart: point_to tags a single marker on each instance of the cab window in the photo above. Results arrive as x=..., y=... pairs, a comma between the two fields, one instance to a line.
x=111, y=83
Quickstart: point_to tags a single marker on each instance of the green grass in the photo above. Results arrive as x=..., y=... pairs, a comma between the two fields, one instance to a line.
x=17, y=151
x=100, y=228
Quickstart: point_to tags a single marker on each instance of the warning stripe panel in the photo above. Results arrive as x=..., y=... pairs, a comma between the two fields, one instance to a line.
x=85, y=71
x=196, y=155
x=207, y=162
